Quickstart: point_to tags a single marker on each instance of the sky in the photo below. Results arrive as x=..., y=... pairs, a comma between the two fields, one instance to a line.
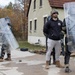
x=5, y=2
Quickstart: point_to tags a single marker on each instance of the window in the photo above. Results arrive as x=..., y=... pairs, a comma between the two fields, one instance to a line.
x=45, y=20
x=34, y=4
x=35, y=25
x=40, y=2
x=30, y=25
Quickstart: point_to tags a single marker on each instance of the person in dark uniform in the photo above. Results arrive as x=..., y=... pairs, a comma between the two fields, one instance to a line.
x=67, y=52
x=5, y=45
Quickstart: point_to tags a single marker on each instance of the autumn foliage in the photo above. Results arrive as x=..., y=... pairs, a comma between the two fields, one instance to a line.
x=18, y=20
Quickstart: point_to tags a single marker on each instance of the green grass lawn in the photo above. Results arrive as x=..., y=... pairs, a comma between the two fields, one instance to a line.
x=25, y=44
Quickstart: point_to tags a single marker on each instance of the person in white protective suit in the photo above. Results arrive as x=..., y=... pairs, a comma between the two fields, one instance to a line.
x=5, y=47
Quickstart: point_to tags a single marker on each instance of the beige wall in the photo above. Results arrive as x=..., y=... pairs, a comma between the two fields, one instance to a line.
x=38, y=14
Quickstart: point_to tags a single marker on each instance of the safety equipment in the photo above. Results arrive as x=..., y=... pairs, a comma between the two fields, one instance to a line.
x=69, y=11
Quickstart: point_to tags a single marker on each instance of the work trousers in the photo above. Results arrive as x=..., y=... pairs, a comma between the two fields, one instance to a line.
x=53, y=44
x=67, y=52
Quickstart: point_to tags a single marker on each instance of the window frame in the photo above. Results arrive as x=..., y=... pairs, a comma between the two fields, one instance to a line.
x=35, y=25
x=30, y=25
x=34, y=4
x=41, y=3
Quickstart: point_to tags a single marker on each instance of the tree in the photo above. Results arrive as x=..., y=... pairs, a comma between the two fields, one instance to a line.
x=24, y=8
x=17, y=13
x=15, y=19
x=9, y=6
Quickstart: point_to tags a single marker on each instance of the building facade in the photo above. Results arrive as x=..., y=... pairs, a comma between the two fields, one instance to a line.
x=38, y=12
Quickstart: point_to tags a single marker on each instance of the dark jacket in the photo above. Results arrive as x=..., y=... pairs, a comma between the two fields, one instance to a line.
x=52, y=29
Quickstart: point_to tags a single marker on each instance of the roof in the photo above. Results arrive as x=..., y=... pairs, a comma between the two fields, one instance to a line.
x=54, y=3
x=58, y=3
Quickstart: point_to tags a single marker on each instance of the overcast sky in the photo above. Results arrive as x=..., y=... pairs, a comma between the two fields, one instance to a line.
x=5, y=2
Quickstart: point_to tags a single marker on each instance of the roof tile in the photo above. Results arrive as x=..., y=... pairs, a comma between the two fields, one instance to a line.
x=58, y=3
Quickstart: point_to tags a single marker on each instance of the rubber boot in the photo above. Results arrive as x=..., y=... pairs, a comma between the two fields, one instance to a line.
x=47, y=65
x=67, y=69
x=59, y=65
x=8, y=57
